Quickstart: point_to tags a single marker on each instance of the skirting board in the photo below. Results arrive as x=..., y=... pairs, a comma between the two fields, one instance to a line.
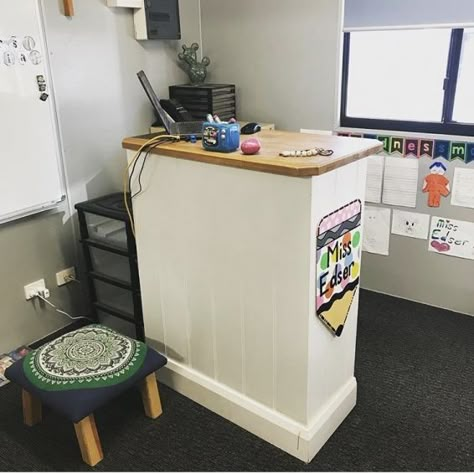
x=302, y=442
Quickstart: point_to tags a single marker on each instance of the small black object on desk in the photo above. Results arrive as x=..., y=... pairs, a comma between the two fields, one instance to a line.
x=250, y=128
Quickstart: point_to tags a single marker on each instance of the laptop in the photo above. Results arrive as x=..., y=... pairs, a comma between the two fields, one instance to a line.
x=183, y=129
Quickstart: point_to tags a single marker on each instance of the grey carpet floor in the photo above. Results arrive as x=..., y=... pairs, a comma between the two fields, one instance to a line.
x=415, y=412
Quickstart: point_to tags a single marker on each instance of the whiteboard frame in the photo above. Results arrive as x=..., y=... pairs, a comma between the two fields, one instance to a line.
x=45, y=206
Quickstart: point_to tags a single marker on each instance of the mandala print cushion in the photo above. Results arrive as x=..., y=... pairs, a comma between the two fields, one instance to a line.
x=91, y=357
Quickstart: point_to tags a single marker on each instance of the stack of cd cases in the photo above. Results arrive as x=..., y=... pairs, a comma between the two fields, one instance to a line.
x=200, y=100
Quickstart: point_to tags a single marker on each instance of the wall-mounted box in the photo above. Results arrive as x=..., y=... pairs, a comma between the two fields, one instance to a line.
x=126, y=3
x=158, y=19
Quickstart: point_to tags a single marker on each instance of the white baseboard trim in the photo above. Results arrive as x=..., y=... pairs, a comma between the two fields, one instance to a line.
x=299, y=440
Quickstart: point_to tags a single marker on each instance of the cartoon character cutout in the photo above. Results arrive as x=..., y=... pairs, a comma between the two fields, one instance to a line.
x=436, y=184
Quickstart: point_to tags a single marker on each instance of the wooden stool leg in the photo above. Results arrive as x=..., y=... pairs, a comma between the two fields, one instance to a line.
x=31, y=409
x=151, y=396
x=89, y=441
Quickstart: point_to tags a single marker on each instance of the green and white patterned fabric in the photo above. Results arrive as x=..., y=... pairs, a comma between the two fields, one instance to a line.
x=91, y=357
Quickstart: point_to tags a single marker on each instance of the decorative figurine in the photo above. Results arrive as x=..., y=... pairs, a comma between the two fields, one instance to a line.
x=196, y=70
x=436, y=184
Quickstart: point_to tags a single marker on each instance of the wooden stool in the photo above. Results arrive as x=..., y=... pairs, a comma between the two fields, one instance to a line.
x=77, y=399
x=86, y=430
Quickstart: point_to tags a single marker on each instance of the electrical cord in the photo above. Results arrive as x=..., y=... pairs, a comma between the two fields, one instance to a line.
x=136, y=193
x=71, y=278
x=60, y=310
x=140, y=173
x=142, y=167
x=133, y=172
x=160, y=140
x=153, y=141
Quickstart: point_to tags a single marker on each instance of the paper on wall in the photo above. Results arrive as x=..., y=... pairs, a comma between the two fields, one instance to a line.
x=373, y=190
x=453, y=238
x=376, y=230
x=463, y=188
x=400, y=181
x=410, y=224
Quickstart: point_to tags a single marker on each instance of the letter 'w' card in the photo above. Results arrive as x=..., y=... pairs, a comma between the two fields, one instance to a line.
x=338, y=252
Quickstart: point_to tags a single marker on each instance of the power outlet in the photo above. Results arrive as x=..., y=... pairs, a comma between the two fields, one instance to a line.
x=65, y=276
x=32, y=289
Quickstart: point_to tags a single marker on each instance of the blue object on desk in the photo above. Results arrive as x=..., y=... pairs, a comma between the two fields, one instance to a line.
x=224, y=137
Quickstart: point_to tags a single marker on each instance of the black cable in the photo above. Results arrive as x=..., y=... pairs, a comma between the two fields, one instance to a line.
x=165, y=140
x=148, y=151
x=133, y=171
x=140, y=174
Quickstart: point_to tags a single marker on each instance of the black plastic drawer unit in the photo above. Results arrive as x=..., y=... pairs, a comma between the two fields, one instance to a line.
x=111, y=264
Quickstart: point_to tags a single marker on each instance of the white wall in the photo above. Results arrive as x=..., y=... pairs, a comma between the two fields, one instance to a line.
x=94, y=60
x=30, y=249
x=283, y=57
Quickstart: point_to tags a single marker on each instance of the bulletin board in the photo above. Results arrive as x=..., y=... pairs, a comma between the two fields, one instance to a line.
x=31, y=179
x=419, y=218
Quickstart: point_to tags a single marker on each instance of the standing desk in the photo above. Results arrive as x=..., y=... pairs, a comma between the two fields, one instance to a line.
x=236, y=256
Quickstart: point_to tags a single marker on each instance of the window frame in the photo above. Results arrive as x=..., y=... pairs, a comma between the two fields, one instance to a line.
x=446, y=126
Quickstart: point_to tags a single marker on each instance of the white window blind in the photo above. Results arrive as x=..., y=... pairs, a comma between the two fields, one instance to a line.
x=379, y=14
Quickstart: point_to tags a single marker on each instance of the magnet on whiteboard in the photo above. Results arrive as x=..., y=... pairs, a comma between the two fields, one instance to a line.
x=13, y=42
x=44, y=96
x=22, y=58
x=8, y=58
x=29, y=43
x=35, y=57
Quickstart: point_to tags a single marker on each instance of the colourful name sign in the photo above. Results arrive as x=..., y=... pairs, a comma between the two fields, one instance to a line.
x=450, y=237
x=338, y=252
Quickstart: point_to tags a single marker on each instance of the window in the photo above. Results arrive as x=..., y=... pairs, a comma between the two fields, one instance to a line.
x=464, y=101
x=409, y=80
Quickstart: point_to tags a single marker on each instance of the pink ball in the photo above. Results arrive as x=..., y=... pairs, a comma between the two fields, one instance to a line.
x=250, y=146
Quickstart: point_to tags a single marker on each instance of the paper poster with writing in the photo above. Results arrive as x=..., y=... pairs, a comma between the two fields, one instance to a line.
x=453, y=238
x=338, y=250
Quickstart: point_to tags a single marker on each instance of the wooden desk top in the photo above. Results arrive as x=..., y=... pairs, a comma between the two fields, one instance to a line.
x=346, y=150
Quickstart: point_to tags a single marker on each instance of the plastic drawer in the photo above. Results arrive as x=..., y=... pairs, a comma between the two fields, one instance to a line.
x=110, y=264
x=104, y=229
x=115, y=297
x=119, y=325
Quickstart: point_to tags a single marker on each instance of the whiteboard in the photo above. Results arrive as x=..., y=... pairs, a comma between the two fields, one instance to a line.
x=31, y=178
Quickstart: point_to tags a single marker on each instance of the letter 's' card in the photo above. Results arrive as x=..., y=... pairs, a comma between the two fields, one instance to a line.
x=338, y=252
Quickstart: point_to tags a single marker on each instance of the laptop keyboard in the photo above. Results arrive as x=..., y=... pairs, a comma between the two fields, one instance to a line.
x=188, y=128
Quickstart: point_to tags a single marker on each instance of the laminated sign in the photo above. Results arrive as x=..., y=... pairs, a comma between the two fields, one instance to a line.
x=338, y=252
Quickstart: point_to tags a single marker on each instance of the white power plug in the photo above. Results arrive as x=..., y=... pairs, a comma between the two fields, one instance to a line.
x=65, y=276
x=36, y=288
x=44, y=293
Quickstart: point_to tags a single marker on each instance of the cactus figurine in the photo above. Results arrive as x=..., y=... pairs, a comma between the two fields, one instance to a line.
x=196, y=70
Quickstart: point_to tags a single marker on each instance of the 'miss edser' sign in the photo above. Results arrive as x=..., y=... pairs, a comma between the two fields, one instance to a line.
x=338, y=250
x=453, y=238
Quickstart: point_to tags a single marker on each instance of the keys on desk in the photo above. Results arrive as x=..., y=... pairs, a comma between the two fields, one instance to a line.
x=306, y=153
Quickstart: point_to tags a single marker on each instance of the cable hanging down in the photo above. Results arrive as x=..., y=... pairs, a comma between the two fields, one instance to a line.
x=128, y=175
x=61, y=311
